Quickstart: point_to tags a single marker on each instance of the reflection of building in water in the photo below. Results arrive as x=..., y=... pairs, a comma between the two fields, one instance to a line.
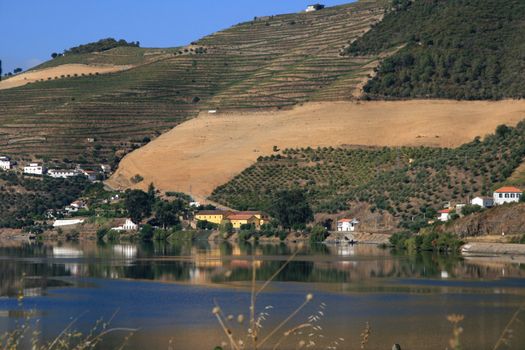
x=342, y=249
x=32, y=292
x=69, y=252
x=126, y=250
x=73, y=268
x=206, y=258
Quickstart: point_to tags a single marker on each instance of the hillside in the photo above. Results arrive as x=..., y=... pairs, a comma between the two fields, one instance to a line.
x=460, y=49
x=410, y=183
x=24, y=200
x=208, y=151
x=272, y=62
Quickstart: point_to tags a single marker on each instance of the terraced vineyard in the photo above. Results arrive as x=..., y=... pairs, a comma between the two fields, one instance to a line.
x=409, y=182
x=270, y=62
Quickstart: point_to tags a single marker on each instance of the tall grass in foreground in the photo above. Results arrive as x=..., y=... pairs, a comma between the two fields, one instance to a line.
x=306, y=334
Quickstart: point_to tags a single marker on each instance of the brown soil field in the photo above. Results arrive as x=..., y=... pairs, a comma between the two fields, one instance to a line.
x=66, y=69
x=205, y=152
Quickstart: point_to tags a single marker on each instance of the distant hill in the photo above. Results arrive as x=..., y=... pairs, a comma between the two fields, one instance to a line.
x=271, y=62
x=459, y=49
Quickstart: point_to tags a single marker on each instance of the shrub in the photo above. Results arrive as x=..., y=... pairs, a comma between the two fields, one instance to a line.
x=113, y=236
x=101, y=233
x=146, y=232
x=161, y=235
x=318, y=234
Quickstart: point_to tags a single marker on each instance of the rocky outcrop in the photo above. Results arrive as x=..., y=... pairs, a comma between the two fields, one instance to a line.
x=506, y=219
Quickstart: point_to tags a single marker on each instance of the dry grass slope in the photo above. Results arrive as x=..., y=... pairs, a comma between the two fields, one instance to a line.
x=205, y=152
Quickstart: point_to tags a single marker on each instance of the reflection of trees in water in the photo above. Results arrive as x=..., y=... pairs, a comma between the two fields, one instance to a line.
x=294, y=271
x=206, y=262
x=32, y=276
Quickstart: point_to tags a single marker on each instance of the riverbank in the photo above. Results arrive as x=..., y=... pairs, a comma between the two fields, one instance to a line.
x=359, y=237
x=493, y=248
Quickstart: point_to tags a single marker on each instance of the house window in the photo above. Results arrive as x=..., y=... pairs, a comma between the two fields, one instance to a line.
x=506, y=195
x=500, y=195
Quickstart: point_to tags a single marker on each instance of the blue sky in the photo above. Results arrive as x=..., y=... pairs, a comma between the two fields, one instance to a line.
x=33, y=29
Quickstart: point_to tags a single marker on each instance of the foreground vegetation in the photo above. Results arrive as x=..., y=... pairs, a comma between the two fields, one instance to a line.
x=411, y=183
x=460, y=49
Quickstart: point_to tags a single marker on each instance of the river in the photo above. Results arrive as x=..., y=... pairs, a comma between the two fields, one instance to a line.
x=167, y=293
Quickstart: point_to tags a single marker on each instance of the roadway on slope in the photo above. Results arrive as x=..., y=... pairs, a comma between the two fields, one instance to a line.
x=203, y=153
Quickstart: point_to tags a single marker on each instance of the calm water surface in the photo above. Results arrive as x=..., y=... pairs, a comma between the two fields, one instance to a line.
x=168, y=292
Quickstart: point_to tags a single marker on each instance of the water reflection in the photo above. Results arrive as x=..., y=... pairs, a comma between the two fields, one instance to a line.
x=398, y=293
x=209, y=263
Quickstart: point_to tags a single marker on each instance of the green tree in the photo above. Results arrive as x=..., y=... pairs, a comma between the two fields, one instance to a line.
x=167, y=213
x=138, y=205
x=318, y=234
x=291, y=208
x=101, y=233
x=146, y=232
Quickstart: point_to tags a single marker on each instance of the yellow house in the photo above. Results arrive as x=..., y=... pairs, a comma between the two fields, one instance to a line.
x=235, y=218
x=213, y=216
x=263, y=218
x=238, y=219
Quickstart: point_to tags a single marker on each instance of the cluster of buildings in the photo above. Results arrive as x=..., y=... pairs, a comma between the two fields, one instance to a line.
x=503, y=195
x=38, y=169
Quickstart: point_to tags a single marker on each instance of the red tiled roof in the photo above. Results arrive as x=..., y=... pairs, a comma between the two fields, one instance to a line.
x=444, y=211
x=508, y=189
x=212, y=212
x=345, y=220
x=240, y=216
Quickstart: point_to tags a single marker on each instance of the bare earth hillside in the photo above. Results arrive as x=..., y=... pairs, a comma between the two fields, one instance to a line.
x=202, y=153
x=59, y=72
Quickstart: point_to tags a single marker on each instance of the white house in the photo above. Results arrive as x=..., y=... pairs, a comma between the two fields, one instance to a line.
x=314, y=7
x=5, y=163
x=484, y=202
x=90, y=174
x=76, y=206
x=67, y=222
x=347, y=225
x=195, y=204
x=507, y=194
x=444, y=215
x=34, y=169
x=62, y=173
x=127, y=226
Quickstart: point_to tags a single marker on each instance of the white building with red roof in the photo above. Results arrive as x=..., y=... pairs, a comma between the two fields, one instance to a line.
x=444, y=215
x=347, y=225
x=507, y=194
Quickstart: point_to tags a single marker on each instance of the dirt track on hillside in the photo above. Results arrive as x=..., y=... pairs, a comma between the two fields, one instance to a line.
x=202, y=153
x=65, y=69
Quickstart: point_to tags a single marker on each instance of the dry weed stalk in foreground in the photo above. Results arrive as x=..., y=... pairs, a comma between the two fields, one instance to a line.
x=457, y=330
x=307, y=334
x=506, y=335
